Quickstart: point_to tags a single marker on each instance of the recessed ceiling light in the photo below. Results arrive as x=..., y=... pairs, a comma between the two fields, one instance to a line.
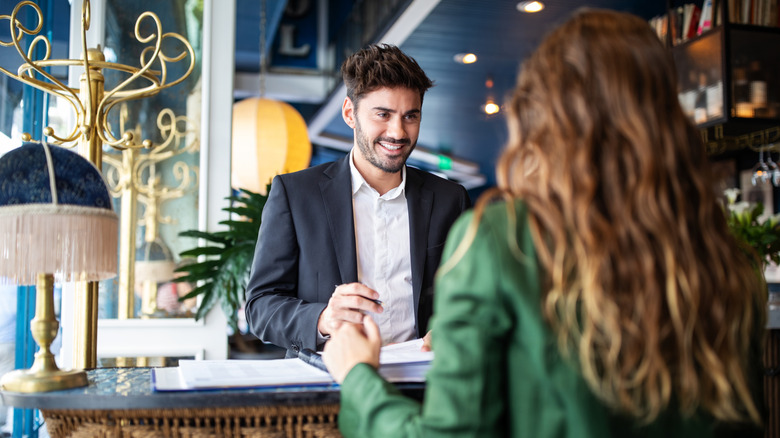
x=530, y=7
x=465, y=58
x=491, y=107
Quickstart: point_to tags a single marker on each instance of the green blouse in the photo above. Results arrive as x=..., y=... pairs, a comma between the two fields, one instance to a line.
x=497, y=369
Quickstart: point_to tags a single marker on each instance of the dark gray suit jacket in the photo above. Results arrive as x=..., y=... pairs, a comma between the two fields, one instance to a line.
x=306, y=247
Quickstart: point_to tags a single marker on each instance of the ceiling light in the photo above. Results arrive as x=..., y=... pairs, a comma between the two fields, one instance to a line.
x=465, y=58
x=530, y=7
x=491, y=107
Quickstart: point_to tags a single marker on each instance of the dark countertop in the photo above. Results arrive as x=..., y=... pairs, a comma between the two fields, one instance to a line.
x=131, y=388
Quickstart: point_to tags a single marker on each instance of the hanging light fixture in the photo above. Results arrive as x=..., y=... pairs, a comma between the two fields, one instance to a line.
x=269, y=137
x=490, y=107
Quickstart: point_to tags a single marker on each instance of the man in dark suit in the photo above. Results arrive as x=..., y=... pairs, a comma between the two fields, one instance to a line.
x=363, y=234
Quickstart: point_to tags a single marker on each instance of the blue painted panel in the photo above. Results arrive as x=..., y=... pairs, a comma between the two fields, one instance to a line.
x=296, y=41
x=248, y=31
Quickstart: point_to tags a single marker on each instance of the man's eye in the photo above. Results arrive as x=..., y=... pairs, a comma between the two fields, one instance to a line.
x=411, y=117
x=382, y=115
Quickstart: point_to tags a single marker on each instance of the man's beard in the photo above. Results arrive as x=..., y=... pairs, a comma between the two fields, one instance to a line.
x=369, y=151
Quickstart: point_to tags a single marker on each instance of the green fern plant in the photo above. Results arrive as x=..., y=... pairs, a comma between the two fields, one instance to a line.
x=222, y=273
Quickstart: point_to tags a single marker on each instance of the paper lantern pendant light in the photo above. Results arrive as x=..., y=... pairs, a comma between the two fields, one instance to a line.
x=269, y=138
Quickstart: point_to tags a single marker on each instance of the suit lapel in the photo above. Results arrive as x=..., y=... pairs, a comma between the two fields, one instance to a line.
x=419, y=202
x=336, y=192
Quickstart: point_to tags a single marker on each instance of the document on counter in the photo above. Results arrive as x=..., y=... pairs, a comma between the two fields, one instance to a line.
x=402, y=362
x=404, y=352
x=212, y=374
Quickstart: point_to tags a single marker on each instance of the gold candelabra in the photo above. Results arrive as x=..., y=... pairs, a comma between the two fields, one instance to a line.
x=92, y=104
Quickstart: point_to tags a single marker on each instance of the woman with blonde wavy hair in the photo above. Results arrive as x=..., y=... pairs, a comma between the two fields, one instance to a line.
x=601, y=294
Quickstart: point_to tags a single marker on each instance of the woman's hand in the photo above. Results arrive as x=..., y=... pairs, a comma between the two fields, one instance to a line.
x=350, y=345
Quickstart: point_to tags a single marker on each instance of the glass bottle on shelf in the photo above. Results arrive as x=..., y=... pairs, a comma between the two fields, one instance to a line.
x=700, y=107
x=741, y=91
x=757, y=89
x=688, y=95
x=714, y=95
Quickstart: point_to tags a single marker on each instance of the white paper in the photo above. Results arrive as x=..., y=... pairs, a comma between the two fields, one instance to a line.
x=250, y=373
x=168, y=379
x=408, y=372
x=404, y=362
x=405, y=352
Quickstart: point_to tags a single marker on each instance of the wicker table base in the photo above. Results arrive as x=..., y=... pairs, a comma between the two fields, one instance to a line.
x=315, y=421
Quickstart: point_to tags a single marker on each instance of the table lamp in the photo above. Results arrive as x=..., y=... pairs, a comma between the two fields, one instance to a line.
x=56, y=221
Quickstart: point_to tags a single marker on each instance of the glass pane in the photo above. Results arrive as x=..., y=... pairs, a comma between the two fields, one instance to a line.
x=155, y=190
x=700, y=75
x=10, y=109
x=755, y=89
x=56, y=29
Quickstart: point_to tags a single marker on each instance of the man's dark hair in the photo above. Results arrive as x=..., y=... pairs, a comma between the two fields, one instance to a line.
x=382, y=65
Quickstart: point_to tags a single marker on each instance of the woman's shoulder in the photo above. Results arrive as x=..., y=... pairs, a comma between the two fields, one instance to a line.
x=491, y=231
x=496, y=215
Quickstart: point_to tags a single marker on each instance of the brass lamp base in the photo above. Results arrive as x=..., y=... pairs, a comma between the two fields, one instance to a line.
x=44, y=375
x=43, y=380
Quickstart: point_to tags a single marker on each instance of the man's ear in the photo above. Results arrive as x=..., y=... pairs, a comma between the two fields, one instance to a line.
x=348, y=112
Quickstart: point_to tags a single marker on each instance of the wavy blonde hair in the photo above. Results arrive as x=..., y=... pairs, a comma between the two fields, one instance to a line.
x=644, y=283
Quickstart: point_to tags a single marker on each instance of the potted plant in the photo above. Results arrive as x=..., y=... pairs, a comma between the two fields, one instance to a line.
x=746, y=222
x=220, y=268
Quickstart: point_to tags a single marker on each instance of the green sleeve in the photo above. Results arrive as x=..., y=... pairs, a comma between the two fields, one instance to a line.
x=370, y=406
x=464, y=393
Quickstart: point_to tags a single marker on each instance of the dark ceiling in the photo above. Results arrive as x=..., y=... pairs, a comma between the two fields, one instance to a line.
x=497, y=32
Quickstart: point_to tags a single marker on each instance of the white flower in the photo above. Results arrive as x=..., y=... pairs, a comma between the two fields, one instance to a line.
x=738, y=207
x=731, y=194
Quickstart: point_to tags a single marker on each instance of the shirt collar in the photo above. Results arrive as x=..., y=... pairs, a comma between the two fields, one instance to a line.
x=358, y=181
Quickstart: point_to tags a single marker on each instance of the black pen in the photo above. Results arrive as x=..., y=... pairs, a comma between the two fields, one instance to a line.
x=379, y=302
x=312, y=358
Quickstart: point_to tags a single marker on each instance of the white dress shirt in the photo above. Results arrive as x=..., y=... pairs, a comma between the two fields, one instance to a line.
x=384, y=254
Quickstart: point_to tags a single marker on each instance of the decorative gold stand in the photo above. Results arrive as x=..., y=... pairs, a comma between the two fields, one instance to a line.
x=44, y=374
x=133, y=178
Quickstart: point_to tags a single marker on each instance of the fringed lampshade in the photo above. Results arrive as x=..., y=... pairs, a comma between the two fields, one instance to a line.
x=64, y=226
x=269, y=138
x=56, y=220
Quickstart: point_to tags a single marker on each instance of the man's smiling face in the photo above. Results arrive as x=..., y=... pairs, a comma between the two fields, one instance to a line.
x=386, y=124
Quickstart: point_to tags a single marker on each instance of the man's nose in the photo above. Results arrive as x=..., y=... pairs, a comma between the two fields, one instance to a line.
x=395, y=129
